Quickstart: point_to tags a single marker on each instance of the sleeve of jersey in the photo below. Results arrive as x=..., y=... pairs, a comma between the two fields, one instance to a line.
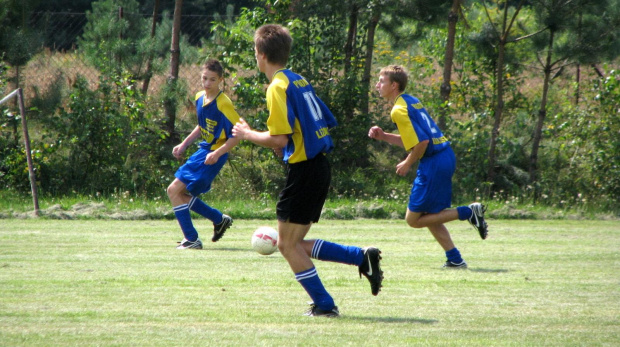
x=405, y=127
x=327, y=114
x=278, y=123
x=226, y=107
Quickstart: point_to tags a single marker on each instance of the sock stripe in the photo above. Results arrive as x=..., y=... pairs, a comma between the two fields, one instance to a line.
x=306, y=274
x=180, y=208
x=316, y=249
x=191, y=202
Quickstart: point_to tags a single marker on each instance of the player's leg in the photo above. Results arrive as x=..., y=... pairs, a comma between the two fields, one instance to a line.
x=203, y=176
x=290, y=237
x=442, y=235
x=179, y=197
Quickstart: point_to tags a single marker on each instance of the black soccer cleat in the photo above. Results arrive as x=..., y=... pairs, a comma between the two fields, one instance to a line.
x=452, y=265
x=477, y=219
x=220, y=229
x=315, y=311
x=371, y=268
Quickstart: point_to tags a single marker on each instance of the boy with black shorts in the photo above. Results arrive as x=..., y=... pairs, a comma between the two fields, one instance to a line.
x=216, y=117
x=299, y=124
x=431, y=194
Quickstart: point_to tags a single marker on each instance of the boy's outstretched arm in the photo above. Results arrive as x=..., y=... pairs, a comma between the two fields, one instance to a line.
x=378, y=134
x=243, y=131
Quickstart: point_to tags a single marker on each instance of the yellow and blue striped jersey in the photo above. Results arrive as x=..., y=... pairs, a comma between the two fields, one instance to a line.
x=415, y=125
x=216, y=119
x=295, y=110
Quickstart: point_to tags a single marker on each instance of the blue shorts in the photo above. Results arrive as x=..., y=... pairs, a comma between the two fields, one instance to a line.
x=196, y=175
x=432, y=187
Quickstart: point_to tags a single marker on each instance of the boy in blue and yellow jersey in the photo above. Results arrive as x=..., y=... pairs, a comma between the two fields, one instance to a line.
x=299, y=126
x=216, y=117
x=431, y=194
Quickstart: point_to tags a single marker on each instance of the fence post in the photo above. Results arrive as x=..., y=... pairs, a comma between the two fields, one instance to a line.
x=33, y=181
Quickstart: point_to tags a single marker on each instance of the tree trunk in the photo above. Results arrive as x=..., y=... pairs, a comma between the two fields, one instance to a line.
x=499, y=95
x=170, y=103
x=149, y=63
x=370, y=44
x=542, y=113
x=446, y=88
x=349, y=47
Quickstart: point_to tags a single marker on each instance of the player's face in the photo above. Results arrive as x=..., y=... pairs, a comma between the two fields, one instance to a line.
x=211, y=82
x=260, y=60
x=385, y=87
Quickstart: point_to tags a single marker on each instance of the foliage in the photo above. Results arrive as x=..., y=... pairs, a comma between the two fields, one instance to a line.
x=102, y=141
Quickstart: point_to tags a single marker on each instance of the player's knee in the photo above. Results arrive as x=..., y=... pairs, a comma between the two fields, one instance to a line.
x=415, y=223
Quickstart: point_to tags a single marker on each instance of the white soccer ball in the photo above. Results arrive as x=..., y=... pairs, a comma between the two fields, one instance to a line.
x=265, y=240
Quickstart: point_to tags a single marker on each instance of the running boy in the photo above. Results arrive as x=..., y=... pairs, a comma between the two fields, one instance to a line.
x=216, y=117
x=431, y=194
x=299, y=124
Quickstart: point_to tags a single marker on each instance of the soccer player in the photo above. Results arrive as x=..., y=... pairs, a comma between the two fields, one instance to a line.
x=216, y=117
x=299, y=126
x=431, y=194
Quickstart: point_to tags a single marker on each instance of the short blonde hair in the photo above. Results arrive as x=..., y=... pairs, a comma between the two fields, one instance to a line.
x=396, y=73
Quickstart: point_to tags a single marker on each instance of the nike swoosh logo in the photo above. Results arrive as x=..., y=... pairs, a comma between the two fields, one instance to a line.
x=369, y=267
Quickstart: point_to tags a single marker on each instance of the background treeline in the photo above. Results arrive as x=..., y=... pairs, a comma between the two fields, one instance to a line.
x=525, y=90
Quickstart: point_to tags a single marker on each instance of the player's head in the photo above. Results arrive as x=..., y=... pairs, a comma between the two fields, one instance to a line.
x=211, y=75
x=395, y=74
x=215, y=66
x=274, y=42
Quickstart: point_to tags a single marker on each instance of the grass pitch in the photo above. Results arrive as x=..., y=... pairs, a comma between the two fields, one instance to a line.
x=122, y=283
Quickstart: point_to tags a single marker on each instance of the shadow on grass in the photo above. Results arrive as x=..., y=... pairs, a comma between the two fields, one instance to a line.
x=392, y=320
x=489, y=270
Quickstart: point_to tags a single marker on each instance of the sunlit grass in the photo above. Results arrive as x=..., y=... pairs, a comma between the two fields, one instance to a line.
x=106, y=282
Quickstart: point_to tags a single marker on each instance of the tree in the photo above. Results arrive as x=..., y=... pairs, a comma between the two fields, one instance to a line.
x=499, y=35
x=170, y=102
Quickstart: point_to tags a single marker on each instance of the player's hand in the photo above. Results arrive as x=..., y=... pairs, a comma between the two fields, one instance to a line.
x=211, y=158
x=177, y=151
x=376, y=133
x=403, y=168
x=241, y=129
x=278, y=152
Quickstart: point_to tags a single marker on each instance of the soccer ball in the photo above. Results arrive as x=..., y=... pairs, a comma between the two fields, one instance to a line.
x=265, y=240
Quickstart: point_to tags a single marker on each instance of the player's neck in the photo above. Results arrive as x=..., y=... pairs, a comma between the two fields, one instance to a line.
x=210, y=95
x=271, y=69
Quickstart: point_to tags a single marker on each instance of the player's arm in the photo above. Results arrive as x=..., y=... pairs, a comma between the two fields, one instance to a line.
x=178, y=150
x=414, y=155
x=378, y=134
x=243, y=131
x=214, y=156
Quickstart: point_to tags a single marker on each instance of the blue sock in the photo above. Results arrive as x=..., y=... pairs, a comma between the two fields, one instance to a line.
x=464, y=212
x=309, y=279
x=185, y=221
x=454, y=256
x=328, y=251
x=205, y=210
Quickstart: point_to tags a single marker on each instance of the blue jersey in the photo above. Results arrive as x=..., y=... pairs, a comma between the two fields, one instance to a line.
x=216, y=119
x=415, y=125
x=295, y=110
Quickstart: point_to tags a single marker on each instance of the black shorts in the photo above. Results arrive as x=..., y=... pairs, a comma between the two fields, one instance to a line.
x=302, y=199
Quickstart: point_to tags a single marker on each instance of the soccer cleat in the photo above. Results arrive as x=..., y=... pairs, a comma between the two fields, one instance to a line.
x=371, y=269
x=477, y=219
x=315, y=311
x=185, y=244
x=451, y=265
x=220, y=229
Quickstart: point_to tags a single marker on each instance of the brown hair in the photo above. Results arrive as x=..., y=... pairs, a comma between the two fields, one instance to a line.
x=213, y=65
x=396, y=73
x=275, y=42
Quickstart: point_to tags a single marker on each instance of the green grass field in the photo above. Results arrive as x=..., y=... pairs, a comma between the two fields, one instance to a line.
x=122, y=283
